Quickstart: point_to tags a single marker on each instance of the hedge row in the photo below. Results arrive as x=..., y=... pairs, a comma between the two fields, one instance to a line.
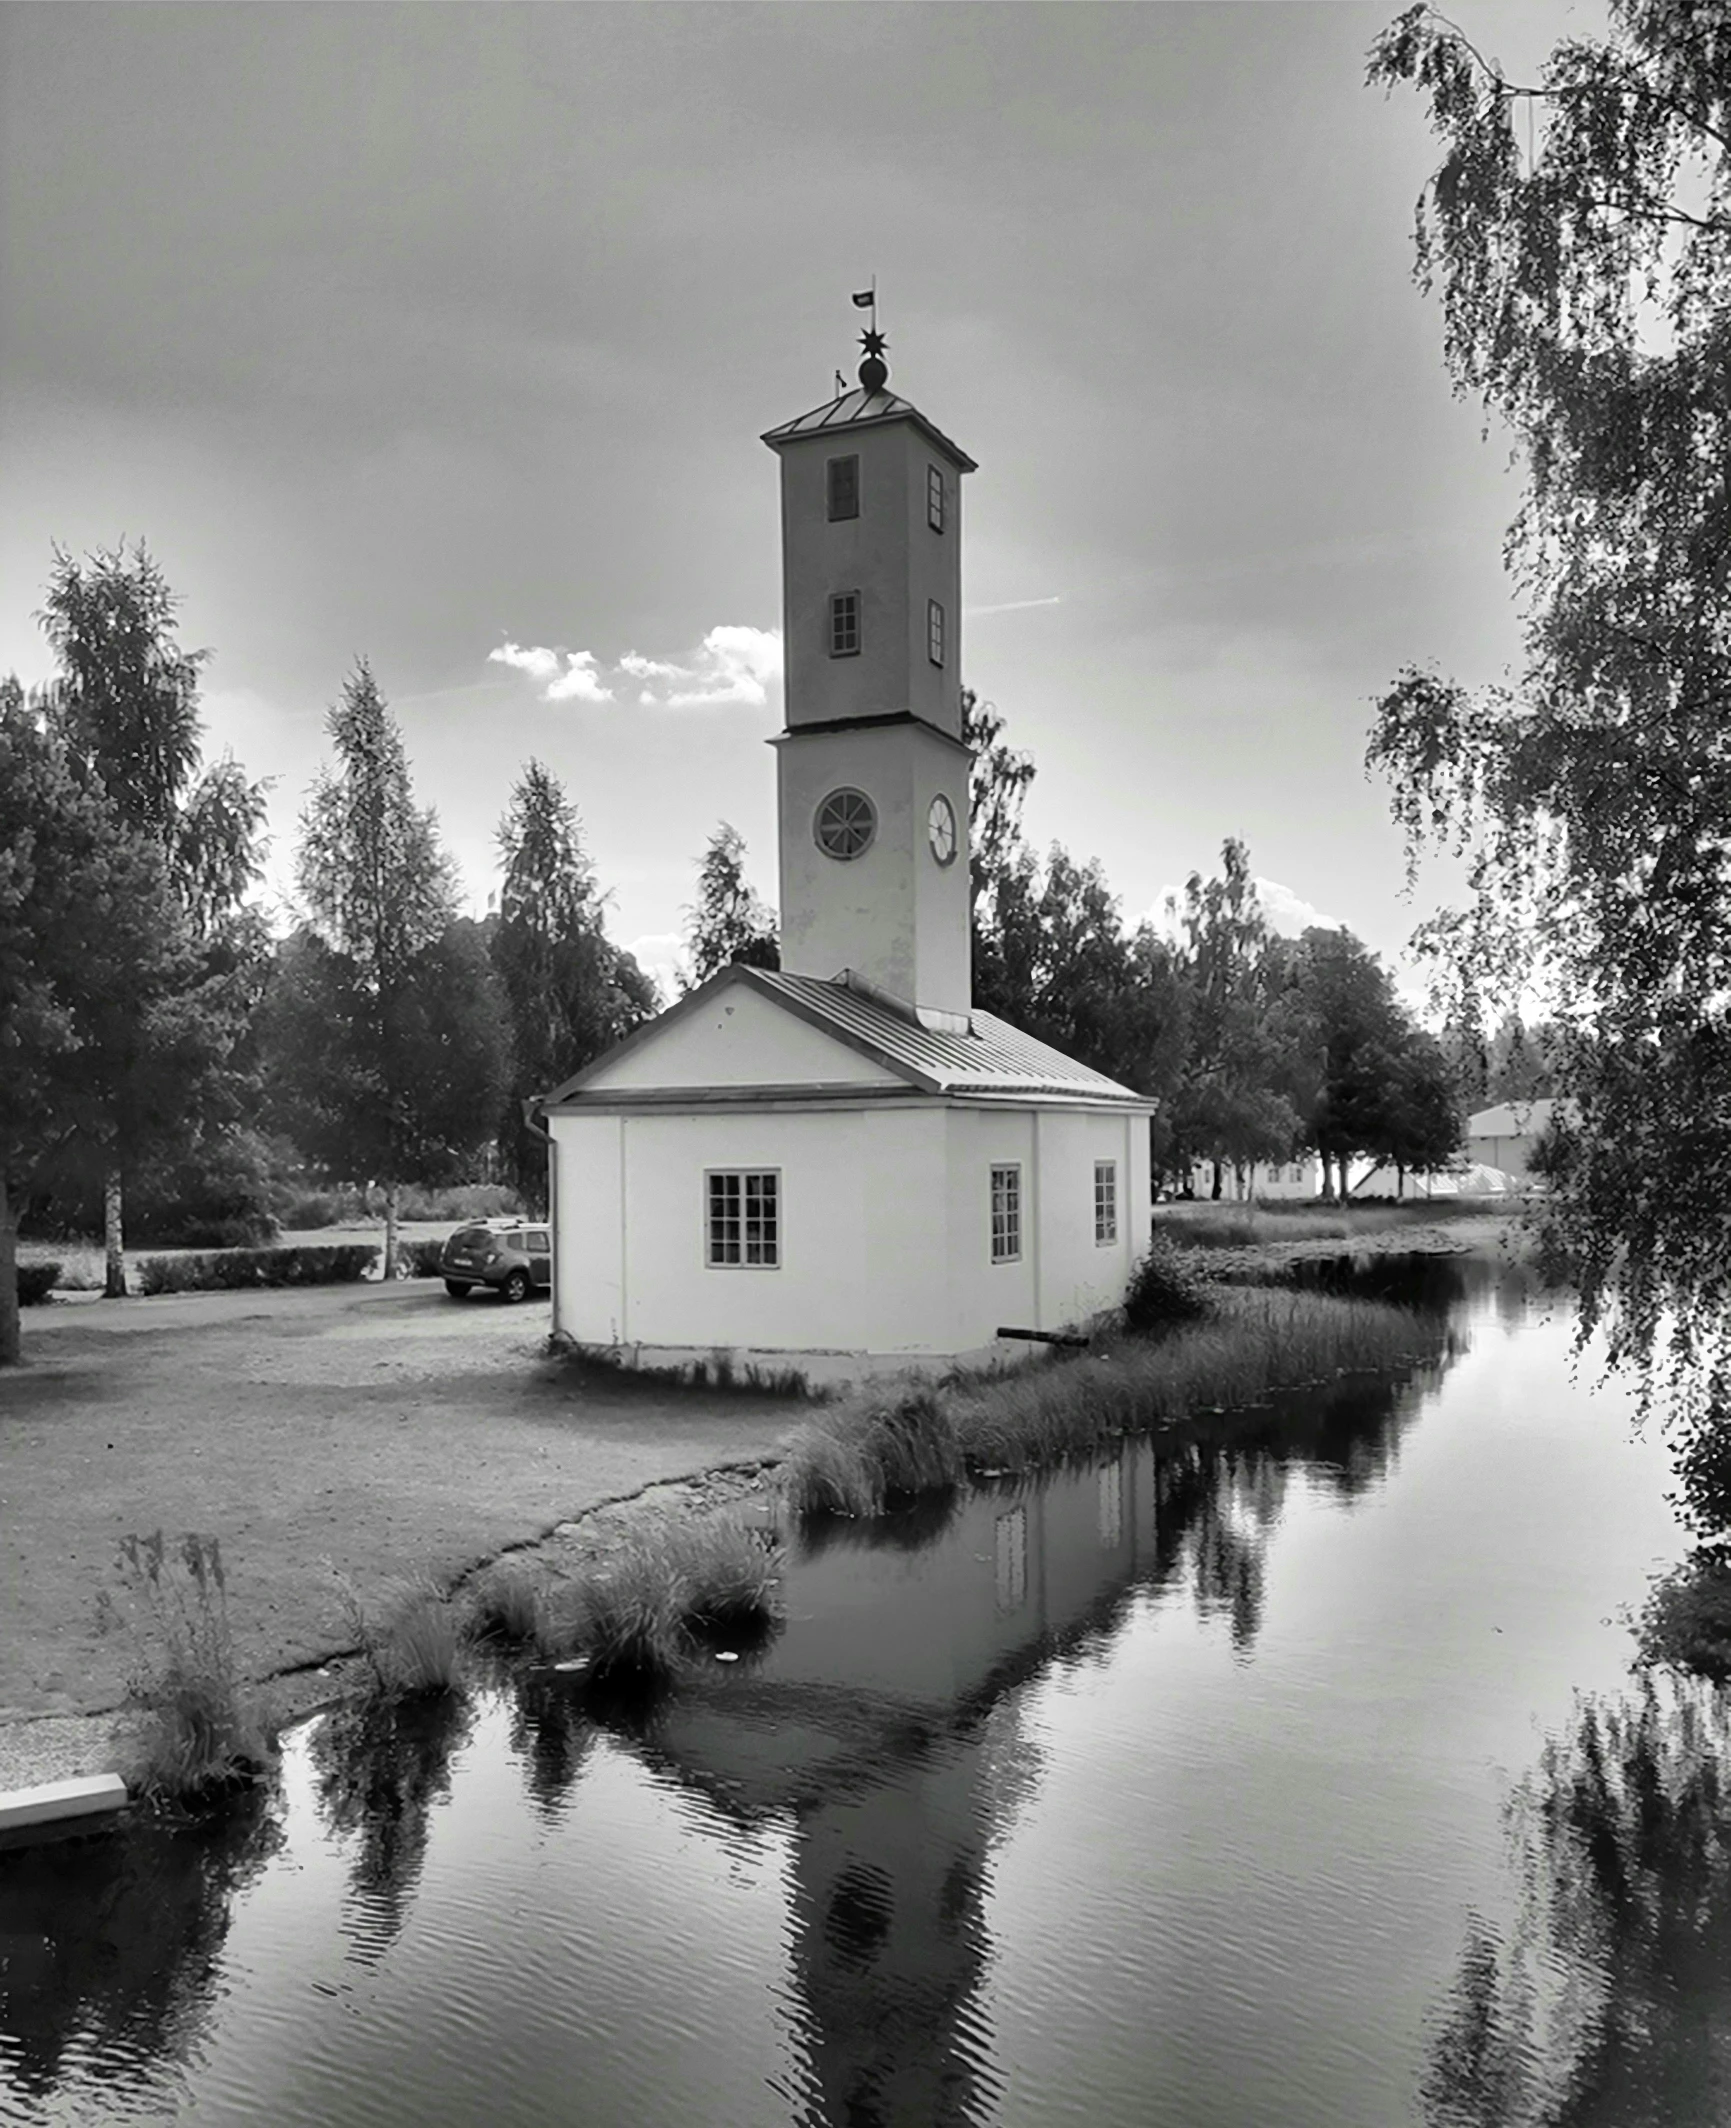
x=226, y=1269
x=36, y=1282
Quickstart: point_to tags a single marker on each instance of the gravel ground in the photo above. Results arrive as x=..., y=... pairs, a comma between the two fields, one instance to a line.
x=358, y=1433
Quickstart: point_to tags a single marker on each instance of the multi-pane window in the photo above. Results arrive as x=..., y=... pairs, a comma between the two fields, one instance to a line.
x=1105, y=1202
x=744, y=1218
x=934, y=498
x=934, y=631
x=844, y=625
x=1006, y=1214
x=843, y=478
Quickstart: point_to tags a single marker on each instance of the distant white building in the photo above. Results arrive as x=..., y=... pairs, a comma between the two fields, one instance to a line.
x=1504, y=1137
x=844, y=1162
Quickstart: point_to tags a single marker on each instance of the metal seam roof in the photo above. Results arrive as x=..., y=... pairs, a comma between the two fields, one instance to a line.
x=995, y=1058
x=861, y=409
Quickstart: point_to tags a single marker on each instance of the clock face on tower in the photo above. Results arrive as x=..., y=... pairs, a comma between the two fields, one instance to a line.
x=941, y=829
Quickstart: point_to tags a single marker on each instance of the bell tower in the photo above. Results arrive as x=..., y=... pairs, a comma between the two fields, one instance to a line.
x=872, y=771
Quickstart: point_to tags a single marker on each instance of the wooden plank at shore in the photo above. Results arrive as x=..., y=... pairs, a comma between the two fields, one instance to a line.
x=85, y=1797
x=1043, y=1337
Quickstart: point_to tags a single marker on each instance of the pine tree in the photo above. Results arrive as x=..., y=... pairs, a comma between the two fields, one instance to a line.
x=383, y=1032
x=571, y=992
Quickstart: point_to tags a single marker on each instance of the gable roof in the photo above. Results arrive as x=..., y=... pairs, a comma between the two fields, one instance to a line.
x=1518, y=1119
x=992, y=1062
x=860, y=409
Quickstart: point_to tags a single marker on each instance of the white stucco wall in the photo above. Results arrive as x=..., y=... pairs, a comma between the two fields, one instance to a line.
x=893, y=914
x=885, y=1226
x=740, y=1038
x=891, y=557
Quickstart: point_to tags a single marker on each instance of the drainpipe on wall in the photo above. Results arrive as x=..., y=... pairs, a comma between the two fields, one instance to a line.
x=532, y=1121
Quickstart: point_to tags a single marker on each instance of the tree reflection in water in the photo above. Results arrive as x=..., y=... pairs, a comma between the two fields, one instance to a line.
x=1611, y=2006
x=551, y=1733
x=112, y=1945
x=379, y=1766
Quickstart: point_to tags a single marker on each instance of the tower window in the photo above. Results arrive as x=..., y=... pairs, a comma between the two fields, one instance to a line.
x=1006, y=1214
x=934, y=631
x=844, y=625
x=846, y=822
x=934, y=498
x=843, y=487
x=744, y=1218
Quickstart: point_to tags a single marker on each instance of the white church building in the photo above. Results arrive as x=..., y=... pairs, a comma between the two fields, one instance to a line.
x=843, y=1164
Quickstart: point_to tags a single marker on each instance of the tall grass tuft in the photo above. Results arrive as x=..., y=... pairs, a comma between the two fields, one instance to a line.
x=504, y=1607
x=884, y=1444
x=412, y=1641
x=665, y=1595
x=200, y=1730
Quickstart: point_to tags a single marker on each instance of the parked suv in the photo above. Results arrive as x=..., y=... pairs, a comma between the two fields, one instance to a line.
x=509, y=1254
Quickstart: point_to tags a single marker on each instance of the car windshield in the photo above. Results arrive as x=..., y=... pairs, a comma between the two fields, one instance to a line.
x=470, y=1237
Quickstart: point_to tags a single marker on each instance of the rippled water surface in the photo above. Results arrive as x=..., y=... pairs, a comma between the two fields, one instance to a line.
x=1170, y=1791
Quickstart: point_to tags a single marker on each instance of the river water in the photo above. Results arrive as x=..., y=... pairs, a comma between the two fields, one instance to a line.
x=1193, y=1789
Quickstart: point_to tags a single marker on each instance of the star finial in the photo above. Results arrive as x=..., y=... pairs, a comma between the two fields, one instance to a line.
x=874, y=371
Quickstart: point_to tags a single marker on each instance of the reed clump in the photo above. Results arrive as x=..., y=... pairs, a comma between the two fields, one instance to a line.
x=884, y=1444
x=504, y=1607
x=200, y=1728
x=412, y=1640
x=664, y=1596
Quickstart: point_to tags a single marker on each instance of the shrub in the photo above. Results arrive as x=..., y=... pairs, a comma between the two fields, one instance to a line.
x=412, y=1641
x=234, y=1269
x=201, y=1730
x=1686, y=1621
x=35, y=1282
x=1163, y=1290
x=419, y=1259
x=319, y=1208
x=882, y=1445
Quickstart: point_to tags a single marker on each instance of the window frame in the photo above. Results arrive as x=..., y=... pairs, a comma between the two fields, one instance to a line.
x=839, y=489
x=935, y=632
x=838, y=600
x=743, y=1177
x=1006, y=1211
x=937, y=512
x=1105, y=1204
x=829, y=798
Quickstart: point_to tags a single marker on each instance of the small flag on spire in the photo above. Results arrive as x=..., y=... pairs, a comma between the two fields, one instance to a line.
x=864, y=298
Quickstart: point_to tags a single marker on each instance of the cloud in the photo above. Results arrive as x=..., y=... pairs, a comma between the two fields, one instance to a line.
x=1289, y=914
x=731, y=666
x=576, y=680
x=658, y=954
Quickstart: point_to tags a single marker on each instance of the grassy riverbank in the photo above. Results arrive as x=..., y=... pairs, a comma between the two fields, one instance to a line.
x=887, y=1444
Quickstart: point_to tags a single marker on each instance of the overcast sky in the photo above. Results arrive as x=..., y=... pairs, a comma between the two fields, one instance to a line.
x=426, y=333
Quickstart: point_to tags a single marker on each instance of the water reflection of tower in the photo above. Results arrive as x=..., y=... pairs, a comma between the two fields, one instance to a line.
x=873, y=1725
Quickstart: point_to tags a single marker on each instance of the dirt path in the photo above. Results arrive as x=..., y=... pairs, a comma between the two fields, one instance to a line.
x=364, y=1431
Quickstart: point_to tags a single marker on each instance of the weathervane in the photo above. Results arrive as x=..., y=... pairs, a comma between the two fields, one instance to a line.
x=874, y=371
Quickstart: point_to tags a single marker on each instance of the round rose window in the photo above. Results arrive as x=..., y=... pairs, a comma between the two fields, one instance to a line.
x=846, y=823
